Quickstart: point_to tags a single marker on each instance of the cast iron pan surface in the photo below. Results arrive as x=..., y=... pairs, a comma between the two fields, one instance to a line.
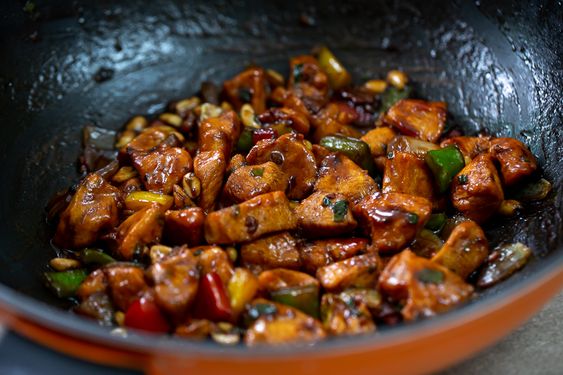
x=499, y=67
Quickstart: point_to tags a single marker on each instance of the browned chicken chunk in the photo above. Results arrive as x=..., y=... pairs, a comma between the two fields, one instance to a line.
x=393, y=219
x=343, y=315
x=339, y=174
x=476, y=190
x=163, y=167
x=252, y=180
x=378, y=139
x=515, y=159
x=126, y=284
x=175, y=281
x=247, y=87
x=219, y=133
x=249, y=220
x=468, y=146
x=405, y=173
x=92, y=210
x=308, y=81
x=281, y=324
x=320, y=253
x=281, y=278
x=325, y=214
x=289, y=99
x=360, y=271
x=465, y=250
x=214, y=259
x=418, y=118
x=278, y=250
x=142, y=228
x=294, y=158
x=425, y=288
x=209, y=167
x=184, y=227
x=296, y=120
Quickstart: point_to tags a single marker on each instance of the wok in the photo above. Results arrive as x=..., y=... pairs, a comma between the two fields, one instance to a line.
x=499, y=67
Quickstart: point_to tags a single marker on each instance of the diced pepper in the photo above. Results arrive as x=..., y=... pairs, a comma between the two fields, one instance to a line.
x=263, y=133
x=355, y=149
x=337, y=74
x=141, y=199
x=445, y=164
x=392, y=95
x=242, y=288
x=144, y=314
x=65, y=283
x=503, y=262
x=91, y=256
x=244, y=143
x=436, y=222
x=304, y=298
x=212, y=300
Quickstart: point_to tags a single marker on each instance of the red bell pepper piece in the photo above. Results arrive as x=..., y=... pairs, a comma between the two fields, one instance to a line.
x=144, y=314
x=212, y=300
x=264, y=133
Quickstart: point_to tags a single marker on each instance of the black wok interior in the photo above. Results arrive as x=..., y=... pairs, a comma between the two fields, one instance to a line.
x=499, y=66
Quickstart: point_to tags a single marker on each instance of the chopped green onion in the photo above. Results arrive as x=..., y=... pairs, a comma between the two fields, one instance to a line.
x=257, y=172
x=436, y=222
x=340, y=209
x=412, y=218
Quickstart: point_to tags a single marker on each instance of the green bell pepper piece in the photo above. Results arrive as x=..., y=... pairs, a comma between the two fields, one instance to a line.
x=91, y=256
x=304, y=298
x=444, y=163
x=436, y=222
x=392, y=95
x=244, y=143
x=65, y=283
x=355, y=149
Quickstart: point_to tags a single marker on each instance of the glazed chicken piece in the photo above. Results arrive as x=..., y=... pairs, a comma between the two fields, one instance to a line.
x=377, y=140
x=175, y=281
x=405, y=173
x=250, y=181
x=237, y=161
x=195, y=329
x=126, y=283
x=470, y=147
x=278, y=250
x=320, y=253
x=94, y=299
x=325, y=214
x=266, y=213
x=209, y=167
x=278, y=279
x=392, y=219
x=320, y=153
x=465, y=250
x=278, y=324
x=289, y=99
x=214, y=259
x=476, y=191
x=308, y=81
x=290, y=117
x=149, y=139
x=418, y=118
x=515, y=159
x=184, y=227
x=294, y=158
x=342, y=314
x=423, y=287
x=163, y=167
x=247, y=87
x=219, y=133
x=339, y=174
x=92, y=210
x=360, y=271
x=142, y=228
x=335, y=118
x=216, y=139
